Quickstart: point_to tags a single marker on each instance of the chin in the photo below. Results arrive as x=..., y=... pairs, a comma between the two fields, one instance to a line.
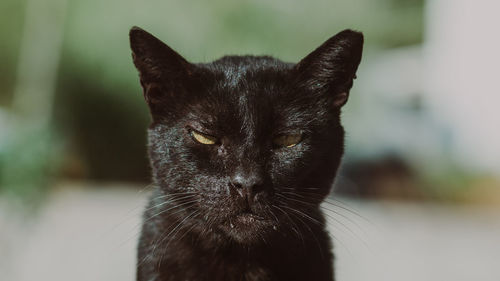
x=248, y=229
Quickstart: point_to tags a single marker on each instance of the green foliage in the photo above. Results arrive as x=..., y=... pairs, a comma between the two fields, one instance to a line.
x=11, y=24
x=99, y=106
x=26, y=161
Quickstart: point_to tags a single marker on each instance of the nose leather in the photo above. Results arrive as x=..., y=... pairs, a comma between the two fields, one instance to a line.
x=248, y=185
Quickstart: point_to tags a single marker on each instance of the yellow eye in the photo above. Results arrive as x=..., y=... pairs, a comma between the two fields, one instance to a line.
x=287, y=140
x=202, y=138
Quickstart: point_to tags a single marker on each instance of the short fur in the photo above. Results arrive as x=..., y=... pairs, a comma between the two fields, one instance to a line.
x=242, y=208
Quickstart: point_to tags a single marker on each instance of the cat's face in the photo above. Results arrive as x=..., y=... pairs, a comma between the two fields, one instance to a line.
x=249, y=141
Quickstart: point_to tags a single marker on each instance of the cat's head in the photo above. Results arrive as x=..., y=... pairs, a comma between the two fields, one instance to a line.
x=252, y=142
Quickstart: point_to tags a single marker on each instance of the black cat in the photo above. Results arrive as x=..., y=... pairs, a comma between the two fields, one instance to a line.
x=243, y=150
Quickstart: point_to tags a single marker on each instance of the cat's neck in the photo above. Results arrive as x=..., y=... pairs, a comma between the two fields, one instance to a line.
x=289, y=259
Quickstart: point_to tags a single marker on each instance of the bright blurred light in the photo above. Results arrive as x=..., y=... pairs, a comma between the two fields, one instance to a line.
x=462, y=55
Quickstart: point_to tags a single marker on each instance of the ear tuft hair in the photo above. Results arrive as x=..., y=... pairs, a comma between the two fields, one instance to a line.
x=153, y=58
x=163, y=72
x=332, y=67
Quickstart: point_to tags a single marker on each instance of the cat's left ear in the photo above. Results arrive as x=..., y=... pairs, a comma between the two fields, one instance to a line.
x=331, y=68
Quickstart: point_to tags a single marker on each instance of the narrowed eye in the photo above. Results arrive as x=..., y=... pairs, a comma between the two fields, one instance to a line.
x=203, y=138
x=287, y=140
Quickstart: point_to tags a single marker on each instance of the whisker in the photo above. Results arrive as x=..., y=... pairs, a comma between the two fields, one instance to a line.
x=270, y=211
x=312, y=232
x=303, y=214
x=296, y=193
x=349, y=229
x=301, y=189
x=169, y=201
x=345, y=217
x=162, y=237
x=172, y=195
x=347, y=208
x=337, y=240
x=135, y=228
x=314, y=220
x=175, y=233
x=294, y=225
x=171, y=208
x=328, y=200
x=131, y=213
x=296, y=200
x=338, y=221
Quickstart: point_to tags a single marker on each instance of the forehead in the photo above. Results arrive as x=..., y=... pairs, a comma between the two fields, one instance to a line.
x=245, y=93
x=248, y=78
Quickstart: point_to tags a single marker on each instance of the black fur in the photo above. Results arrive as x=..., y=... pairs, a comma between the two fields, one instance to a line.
x=242, y=208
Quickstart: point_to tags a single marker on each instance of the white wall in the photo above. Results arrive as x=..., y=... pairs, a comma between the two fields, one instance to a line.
x=462, y=77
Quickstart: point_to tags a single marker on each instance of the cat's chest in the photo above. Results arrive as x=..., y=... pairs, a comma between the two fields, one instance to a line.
x=240, y=268
x=209, y=268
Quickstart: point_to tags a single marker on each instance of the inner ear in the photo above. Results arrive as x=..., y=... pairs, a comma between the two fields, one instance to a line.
x=154, y=59
x=164, y=74
x=331, y=68
x=340, y=99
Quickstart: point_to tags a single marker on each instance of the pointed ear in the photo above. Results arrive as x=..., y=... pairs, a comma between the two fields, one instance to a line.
x=162, y=70
x=332, y=67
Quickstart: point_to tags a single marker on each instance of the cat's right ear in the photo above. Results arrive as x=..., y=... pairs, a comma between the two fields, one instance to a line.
x=162, y=70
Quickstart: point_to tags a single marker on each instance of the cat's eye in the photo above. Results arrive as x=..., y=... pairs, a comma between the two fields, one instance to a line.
x=203, y=138
x=287, y=140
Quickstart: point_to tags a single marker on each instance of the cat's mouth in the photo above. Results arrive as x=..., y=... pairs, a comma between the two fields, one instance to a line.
x=247, y=227
x=247, y=222
x=248, y=218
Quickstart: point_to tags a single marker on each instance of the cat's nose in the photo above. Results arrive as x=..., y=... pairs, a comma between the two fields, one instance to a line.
x=248, y=185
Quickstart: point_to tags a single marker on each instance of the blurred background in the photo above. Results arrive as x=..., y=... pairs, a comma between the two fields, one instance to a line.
x=421, y=174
